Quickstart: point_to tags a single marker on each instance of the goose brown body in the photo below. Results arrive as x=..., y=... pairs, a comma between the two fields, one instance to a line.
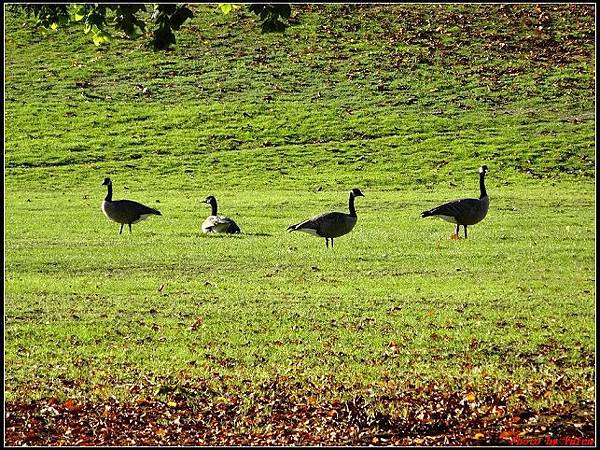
x=331, y=225
x=125, y=212
x=465, y=211
x=216, y=223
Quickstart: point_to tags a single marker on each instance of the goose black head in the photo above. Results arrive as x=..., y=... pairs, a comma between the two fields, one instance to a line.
x=210, y=199
x=483, y=169
x=356, y=193
x=107, y=182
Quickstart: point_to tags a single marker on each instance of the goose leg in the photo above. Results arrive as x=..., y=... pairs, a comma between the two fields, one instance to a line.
x=130, y=228
x=455, y=236
x=121, y=229
x=465, y=231
x=327, y=242
x=331, y=242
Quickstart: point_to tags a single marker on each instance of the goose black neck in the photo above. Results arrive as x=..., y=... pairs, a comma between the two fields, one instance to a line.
x=482, y=185
x=351, y=205
x=108, y=197
x=213, y=206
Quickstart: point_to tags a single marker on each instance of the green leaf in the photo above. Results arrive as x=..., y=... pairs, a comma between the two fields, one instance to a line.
x=54, y=26
x=100, y=37
x=226, y=7
x=77, y=13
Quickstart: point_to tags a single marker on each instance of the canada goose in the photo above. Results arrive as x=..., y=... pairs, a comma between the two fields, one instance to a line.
x=218, y=224
x=466, y=211
x=331, y=224
x=124, y=211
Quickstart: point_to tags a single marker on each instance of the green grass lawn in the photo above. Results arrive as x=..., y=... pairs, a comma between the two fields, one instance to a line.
x=404, y=102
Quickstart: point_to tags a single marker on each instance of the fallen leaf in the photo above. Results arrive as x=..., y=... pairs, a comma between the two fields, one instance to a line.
x=197, y=324
x=506, y=435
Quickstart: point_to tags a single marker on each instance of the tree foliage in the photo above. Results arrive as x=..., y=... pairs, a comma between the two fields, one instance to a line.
x=128, y=19
x=271, y=16
x=166, y=19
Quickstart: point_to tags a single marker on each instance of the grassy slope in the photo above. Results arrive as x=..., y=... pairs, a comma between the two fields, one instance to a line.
x=404, y=102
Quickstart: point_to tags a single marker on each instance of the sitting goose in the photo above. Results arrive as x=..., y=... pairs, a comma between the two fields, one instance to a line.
x=218, y=224
x=466, y=211
x=124, y=211
x=331, y=224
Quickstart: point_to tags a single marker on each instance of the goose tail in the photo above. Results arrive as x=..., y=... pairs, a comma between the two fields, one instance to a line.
x=234, y=228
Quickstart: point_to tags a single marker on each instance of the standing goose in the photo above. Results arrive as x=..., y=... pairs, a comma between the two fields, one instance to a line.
x=466, y=211
x=218, y=224
x=124, y=211
x=331, y=224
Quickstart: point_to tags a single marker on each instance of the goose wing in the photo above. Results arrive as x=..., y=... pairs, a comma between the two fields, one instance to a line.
x=329, y=224
x=137, y=207
x=127, y=211
x=463, y=211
